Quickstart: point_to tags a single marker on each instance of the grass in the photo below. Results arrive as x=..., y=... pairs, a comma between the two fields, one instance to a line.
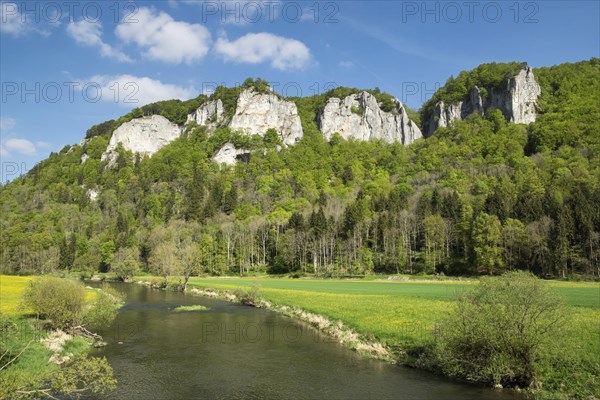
x=18, y=332
x=11, y=294
x=32, y=367
x=575, y=294
x=196, y=307
x=403, y=314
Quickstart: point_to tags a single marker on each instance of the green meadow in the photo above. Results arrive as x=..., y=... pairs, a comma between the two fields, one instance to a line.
x=404, y=316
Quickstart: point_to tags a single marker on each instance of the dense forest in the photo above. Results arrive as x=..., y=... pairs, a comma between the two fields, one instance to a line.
x=480, y=197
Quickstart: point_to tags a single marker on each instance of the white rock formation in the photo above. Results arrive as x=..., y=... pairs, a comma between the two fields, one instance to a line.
x=359, y=116
x=517, y=101
x=144, y=135
x=92, y=194
x=228, y=154
x=84, y=157
x=208, y=114
x=257, y=112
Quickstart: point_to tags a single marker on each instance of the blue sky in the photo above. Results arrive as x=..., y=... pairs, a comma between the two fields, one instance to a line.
x=130, y=53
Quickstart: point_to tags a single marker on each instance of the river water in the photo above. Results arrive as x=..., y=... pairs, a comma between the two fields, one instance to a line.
x=231, y=351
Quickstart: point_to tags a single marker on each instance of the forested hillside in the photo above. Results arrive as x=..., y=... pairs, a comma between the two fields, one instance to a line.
x=480, y=197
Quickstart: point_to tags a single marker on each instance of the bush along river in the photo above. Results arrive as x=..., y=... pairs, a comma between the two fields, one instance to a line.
x=168, y=345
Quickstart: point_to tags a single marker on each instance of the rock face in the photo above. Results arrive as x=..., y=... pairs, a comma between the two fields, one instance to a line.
x=257, y=112
x=517, y=101
x=209, y=114
x=359, y=116
x=144, y=135
x=229, y=155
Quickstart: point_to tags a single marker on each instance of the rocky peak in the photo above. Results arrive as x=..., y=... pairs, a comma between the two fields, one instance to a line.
x=517, y=101
x=257, y=112
x=144, y=135
x=229, y=155
x=360, y=117
x=209, y=114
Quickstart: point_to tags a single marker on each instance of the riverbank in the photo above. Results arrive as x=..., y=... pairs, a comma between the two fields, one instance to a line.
x=30, y=353
x=400, y=317
x=335, y=329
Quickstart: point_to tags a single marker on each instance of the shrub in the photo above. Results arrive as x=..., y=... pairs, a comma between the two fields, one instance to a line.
x=125, y=263
x=357, y=110
x=248, y=296
x=500, y=331
x=84, y=374
x=104, y=308
x=59, y=300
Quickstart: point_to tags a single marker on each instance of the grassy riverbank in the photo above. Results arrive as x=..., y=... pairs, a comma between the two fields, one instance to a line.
x=403, y=315
x=22, y=335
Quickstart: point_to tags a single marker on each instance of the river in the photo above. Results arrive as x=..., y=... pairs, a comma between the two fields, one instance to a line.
x=231, y=351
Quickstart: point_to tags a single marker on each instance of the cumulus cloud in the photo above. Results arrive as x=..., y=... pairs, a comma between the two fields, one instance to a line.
x=7, y=124
x=89, y=34
x=3, y=151
x=21, y=146
x=253, y=48
x=164, y=39
x=135, y=91
x=12, y=22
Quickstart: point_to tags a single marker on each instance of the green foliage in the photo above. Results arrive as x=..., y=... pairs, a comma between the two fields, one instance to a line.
x=249, y=296
x=23, y=359
x=91, y=375
x=478, y=197
x=501, y=332
x=61, y=301
x=175, y=111
x=486, y=243
x=569, y=107
x=258, y=84
x=272, y=139
x=357, y=110
x=125, y=263
x=229, y=98
x=196, y=307
x=103, y=309
x=103, y=129
x=492, y=75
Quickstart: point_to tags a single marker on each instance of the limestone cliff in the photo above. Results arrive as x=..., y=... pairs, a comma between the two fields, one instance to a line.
x=517, y=101
x=144, y=135
x=229, y=155
x=359, y=116
x=210, y=114
x=257, y=112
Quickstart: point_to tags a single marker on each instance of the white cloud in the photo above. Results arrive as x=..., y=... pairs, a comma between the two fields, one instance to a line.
x=42, y=145
x=89, y=34
x=164, y=39
x=133, y=91
x=12, y=22
x=346, y=64
x=21, y=146
x=253, y=48
x=3, y=151
x=7, y=124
